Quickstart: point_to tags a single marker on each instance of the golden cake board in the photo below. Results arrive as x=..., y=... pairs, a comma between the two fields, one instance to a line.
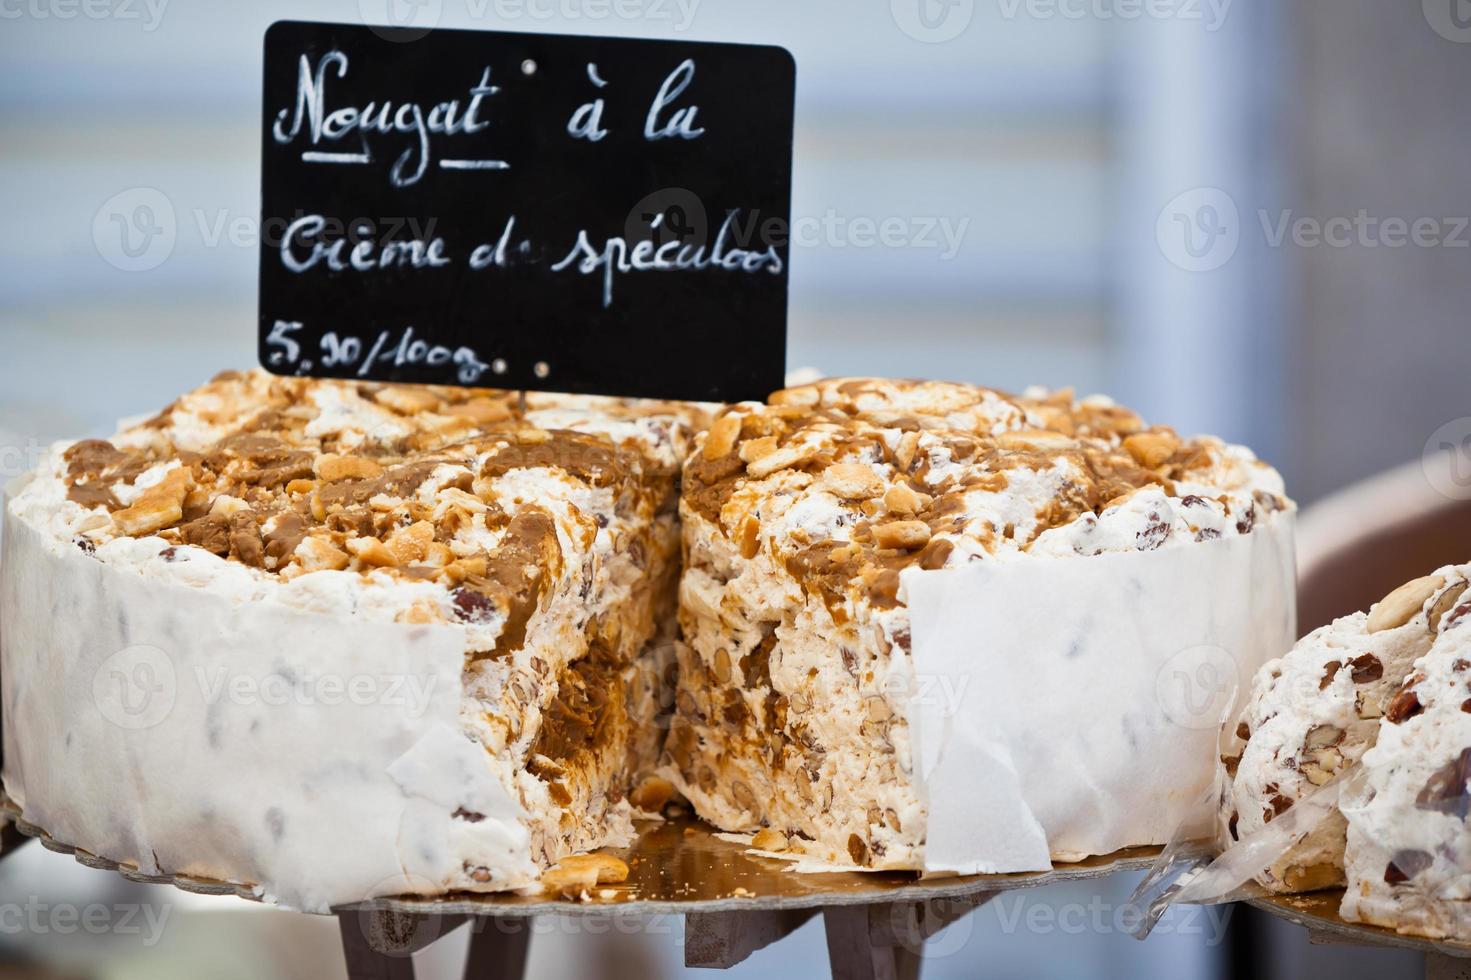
x=1317, y=912
x=735, y=902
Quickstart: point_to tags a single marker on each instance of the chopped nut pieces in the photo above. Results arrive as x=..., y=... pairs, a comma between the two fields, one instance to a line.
x=372, y=552
x=778, y=459
x=769, y=840
x=1313, y=877
x=905, y=535
x=1151, y=449
x=148, y=515
x=159, y=506
x=1366, y=669
x=1406, y=705
x=652, y=794
x=852, y=481
x=409, y=401
x=1320, y=736
x=1401, y=605
x=410, y=544
x=1445, y=604
x=806, y=396
x=755, y=449
x=577, y=873
x=1034, y=439
x=484, y=411
x=907, y=450
x=905, y=501
x=332, y=468
x=722, y=437
x=1406, y=865
x=317, y=554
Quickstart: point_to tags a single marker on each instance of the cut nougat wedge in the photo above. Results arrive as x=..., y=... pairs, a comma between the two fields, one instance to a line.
x=798, y=517
x=1314, y=713
x=516, y=568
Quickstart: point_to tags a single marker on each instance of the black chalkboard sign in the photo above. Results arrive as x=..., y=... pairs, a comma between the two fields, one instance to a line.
x=579, y=214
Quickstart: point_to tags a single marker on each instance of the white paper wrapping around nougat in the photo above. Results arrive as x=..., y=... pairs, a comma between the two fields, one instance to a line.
x=154, y=723
x=1068, y=707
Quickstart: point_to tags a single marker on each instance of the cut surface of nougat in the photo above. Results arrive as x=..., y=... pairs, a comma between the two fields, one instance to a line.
x=799, y=516
x=1409, y=844
x=547, y=536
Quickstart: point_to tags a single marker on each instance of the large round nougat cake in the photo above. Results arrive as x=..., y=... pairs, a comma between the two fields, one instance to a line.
x=336, y=640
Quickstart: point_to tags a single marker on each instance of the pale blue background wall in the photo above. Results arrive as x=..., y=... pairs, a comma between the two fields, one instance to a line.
x=1063, y=135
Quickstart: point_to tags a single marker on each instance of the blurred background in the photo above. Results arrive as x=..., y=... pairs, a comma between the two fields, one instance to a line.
x=1247, y=217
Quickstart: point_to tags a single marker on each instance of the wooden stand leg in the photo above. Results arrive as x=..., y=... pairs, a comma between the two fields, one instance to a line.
x=1439, y=967
x=498, y=949
x=379, y=944
x=720, y=940
x=856, y=954
x=886, y=942
x=10, y=838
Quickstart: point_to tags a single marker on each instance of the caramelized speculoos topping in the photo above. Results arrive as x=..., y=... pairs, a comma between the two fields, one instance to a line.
x=290, y=476
x=901, y=471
